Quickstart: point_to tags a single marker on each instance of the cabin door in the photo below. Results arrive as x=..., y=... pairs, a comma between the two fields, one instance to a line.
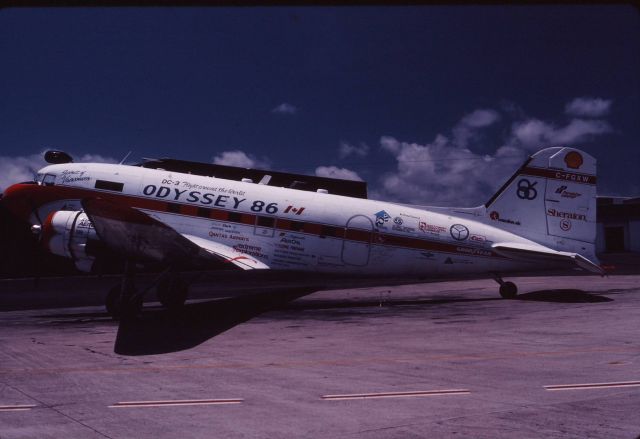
x=356, y=245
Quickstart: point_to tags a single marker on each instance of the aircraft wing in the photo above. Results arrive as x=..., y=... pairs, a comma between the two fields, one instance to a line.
x=540, y=253
x=136, y=235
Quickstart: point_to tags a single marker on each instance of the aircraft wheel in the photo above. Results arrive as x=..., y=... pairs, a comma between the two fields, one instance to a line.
x=508, y=290
x=172, y=293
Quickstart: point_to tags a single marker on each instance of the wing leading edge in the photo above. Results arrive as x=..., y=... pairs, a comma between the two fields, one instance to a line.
x=134, y=234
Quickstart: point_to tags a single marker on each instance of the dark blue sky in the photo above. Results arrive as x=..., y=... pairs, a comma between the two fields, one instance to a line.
x=194, y=82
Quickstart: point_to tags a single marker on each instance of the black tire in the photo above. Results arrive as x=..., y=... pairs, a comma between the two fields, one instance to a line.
x=172, y=293
x=508, y=290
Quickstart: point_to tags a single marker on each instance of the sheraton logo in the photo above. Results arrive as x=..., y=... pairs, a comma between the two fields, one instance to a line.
x=567, y=215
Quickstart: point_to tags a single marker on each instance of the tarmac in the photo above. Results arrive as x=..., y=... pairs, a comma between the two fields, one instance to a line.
x=435, y=360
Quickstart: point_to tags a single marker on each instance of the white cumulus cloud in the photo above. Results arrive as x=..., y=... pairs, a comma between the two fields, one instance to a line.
x=447, y=172
x=335, y=172
x=19, y=169
x=470, y=125
x=534, y=134
x=346, y=149
x=285, y=108
x=588, y=107
x=240, y=159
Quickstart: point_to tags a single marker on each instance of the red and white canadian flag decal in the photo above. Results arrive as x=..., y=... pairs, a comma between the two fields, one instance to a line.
x=296, y=210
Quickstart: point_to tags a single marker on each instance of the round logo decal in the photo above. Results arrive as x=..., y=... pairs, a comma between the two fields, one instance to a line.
x=494, y=215
x=565, y=224
x=459, y=232
x=573, y=160
x=398, y=220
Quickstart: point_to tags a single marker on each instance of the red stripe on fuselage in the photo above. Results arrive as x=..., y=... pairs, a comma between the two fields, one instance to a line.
x=40, y=195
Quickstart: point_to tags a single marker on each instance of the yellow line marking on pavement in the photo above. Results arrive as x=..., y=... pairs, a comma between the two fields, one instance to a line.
x=593, y=385
x=16, y=408
x=396, y=394
x=176, y=402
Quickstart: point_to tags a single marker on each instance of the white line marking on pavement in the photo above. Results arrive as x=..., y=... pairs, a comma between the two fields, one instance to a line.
x=593, y=385
x=396, y=394
x=16, y=408
x=176, y=402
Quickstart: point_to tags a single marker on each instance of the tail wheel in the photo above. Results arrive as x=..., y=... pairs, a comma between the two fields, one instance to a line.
x=172, y=293
x=508, y=290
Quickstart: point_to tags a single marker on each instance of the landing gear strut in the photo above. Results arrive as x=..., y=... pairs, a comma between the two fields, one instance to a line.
x=124, y=300
x=508, y=290
x=172, y=291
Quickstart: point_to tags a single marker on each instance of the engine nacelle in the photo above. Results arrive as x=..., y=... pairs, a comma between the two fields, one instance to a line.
x=72, y=235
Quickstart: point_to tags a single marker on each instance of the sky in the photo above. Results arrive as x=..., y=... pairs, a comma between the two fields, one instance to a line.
x=428, y=104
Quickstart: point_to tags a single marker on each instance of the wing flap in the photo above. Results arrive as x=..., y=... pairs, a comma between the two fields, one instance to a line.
x=531, y=252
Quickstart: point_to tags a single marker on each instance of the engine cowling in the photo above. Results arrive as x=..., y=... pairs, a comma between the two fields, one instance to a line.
x=71, y=234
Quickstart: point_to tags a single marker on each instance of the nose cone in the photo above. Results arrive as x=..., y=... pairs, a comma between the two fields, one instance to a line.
x=18, y=200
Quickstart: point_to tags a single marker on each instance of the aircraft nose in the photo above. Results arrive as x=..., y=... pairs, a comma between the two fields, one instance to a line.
x=16, y=200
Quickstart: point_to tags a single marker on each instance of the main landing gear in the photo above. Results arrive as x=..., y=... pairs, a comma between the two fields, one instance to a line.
x=125, y=300
x=508, y=290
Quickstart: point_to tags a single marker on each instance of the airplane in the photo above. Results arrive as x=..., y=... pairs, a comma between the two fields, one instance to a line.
x=180, y=215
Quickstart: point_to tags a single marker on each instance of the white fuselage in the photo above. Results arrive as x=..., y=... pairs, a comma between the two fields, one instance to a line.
x=292, y=229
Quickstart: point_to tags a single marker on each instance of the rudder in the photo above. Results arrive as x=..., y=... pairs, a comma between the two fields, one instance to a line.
x=551, y=199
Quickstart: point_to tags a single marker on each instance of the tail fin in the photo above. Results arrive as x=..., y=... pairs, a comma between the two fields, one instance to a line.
x=551, y=200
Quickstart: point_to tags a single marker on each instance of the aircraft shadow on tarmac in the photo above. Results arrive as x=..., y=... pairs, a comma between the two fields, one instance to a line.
x=159, y=331
x=563, y=296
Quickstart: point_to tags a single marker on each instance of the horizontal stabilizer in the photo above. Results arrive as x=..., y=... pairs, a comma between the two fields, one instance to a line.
x=532, y=252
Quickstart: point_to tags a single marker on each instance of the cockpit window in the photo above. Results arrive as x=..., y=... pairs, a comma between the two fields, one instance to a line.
x=48, y=179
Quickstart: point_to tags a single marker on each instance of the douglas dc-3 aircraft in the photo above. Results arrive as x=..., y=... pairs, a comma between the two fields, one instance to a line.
x=185, y=215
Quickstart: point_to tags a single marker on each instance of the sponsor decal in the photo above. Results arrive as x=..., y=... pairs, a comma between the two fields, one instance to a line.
x=562, y=190
x=473, y=251
x=431, y=228
x=477, y=238
x=294, y=210
x=526, y=189
x=252, y=250
x=565, y=224
x=573, y=160
x=567, y=215
x=403, y=229
x=398, y=221
x=450, y=260
x=459, y=232
x=290, y=241
x=496, y=217
x=381, y=218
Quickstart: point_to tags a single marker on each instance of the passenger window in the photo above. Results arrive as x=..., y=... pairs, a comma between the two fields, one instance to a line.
x=49, y=179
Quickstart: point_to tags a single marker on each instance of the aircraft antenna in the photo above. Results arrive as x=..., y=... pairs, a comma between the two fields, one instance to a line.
x=125, y=157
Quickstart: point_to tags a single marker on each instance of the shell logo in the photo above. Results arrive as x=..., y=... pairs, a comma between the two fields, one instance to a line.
x=573, y=160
